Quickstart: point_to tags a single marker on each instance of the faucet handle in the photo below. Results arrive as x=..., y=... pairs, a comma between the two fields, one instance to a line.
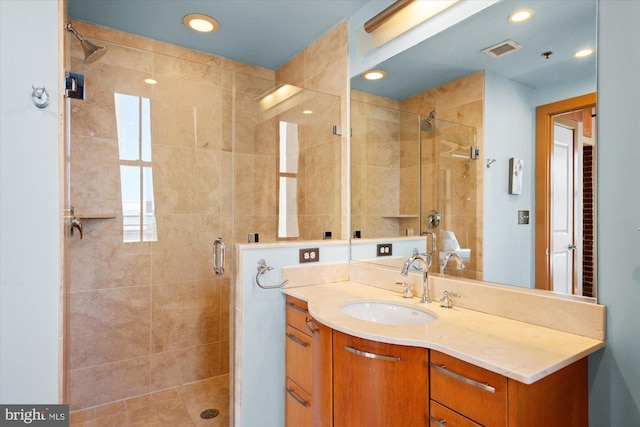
x=407, y=292
x=445, y=301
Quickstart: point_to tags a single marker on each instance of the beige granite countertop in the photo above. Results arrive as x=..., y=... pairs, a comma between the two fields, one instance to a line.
x=515, y=349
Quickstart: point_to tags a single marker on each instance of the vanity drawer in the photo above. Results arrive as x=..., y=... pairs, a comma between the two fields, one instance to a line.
x=474, y=392
x=442, y=416
x=299, y=357
x=297, y=406
x=297, y=314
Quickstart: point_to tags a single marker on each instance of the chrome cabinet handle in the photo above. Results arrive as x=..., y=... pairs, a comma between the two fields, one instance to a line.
x=444, y=370
x=297, y=340
x=313, y=330
x=218, y=267
x=439, y=423
x=295, y=307
x=389, y=358
x=297, y=398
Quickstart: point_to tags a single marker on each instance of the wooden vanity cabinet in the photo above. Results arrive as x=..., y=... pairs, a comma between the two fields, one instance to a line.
x=308, y=393
x=463, y=394
x=378, y=384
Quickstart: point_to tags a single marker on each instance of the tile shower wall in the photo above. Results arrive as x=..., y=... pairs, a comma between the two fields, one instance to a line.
x=324, y=190
x=146, y=316
x=384, y=153
x=461, y=182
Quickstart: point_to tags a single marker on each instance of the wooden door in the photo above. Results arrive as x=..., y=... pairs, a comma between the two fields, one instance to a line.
x=562, y=210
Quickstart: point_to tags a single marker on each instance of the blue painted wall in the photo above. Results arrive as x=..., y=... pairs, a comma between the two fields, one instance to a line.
x=614, y=373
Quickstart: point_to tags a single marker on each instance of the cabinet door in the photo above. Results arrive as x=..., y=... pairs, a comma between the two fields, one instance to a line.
x=298, y=358
x=442, y=416
x=378, y=384
x=474, y=392
x=322, y=367
x=297, y=406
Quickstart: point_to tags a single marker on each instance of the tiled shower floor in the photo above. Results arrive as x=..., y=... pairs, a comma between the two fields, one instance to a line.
x=174, y=407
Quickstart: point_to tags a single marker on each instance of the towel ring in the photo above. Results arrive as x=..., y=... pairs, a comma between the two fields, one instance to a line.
x=263, y=268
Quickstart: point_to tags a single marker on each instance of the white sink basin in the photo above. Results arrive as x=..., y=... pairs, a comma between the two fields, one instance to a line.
x=388, y=313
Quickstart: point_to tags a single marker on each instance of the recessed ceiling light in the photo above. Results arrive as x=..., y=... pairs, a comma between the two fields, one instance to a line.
x=374, y=75
x=583, y=53
x=307, y=112
x=520, y=15
x=151, y=81
x=201, y=23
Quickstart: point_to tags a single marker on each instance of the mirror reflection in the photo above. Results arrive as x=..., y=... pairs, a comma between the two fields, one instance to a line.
x=439, y=132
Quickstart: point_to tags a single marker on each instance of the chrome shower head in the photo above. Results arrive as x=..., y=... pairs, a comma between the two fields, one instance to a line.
x=426, y=125
x=92, y=52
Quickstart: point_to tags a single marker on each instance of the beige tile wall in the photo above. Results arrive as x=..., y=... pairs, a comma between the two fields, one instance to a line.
x=388, y=171
x=323, y=193
x=148, y=316
x=454, y=186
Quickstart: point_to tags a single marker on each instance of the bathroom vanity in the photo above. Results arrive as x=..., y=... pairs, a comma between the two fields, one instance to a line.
x=465, y=368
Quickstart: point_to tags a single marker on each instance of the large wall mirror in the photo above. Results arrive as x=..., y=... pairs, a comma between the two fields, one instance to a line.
x=444, y=147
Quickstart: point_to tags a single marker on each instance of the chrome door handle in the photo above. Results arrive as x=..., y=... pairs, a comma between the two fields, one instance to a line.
x=482, y=386
x=297, y=398
x=389, y=358
x=218, y=246
x=572, y=247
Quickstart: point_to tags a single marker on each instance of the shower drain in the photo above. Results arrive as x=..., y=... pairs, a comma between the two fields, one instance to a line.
x=207, y=414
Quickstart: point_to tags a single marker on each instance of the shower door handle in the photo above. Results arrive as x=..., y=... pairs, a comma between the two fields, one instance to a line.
x=218, y=260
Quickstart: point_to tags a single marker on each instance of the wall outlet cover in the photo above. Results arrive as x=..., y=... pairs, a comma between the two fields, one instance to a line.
x=309, y=255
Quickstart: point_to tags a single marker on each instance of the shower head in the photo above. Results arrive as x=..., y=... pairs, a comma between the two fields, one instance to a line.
x=426, y=125
x=92, y=52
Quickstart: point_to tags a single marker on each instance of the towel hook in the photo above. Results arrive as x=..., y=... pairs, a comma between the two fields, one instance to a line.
x=263, y=268
x=40, y=96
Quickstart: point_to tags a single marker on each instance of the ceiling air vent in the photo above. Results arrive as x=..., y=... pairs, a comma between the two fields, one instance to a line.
x=502, y=48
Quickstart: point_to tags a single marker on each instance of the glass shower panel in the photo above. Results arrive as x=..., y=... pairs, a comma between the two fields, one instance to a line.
x=287, y=148
x=450, y=174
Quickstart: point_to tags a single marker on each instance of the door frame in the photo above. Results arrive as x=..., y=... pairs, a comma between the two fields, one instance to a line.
x=544, y=151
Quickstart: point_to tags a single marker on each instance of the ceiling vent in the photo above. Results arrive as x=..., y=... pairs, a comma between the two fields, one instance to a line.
x=502, y=49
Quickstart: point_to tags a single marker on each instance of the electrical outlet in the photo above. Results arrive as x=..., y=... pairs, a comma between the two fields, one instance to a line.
x=384, y=249
x=523, y=217
x=253, y=238
x=309, y=255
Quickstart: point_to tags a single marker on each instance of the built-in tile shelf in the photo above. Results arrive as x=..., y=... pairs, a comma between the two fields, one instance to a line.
x=96, y=215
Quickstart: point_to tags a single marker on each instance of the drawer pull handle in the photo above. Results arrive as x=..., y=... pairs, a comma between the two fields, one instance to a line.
x=295, y=307
x=297, y=398
x=482, y=386
x=311, y=329
x=297, y=340
x=439, y=423
x=389, y=358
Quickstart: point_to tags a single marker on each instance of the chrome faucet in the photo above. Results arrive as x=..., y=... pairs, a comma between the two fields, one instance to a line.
x=447, y=257
x=425, y=278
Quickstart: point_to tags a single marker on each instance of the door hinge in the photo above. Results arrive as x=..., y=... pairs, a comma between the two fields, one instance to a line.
x=74, y=85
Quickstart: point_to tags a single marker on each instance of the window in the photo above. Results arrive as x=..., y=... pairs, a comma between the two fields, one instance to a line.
x=133, y=118
x=288, y=181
